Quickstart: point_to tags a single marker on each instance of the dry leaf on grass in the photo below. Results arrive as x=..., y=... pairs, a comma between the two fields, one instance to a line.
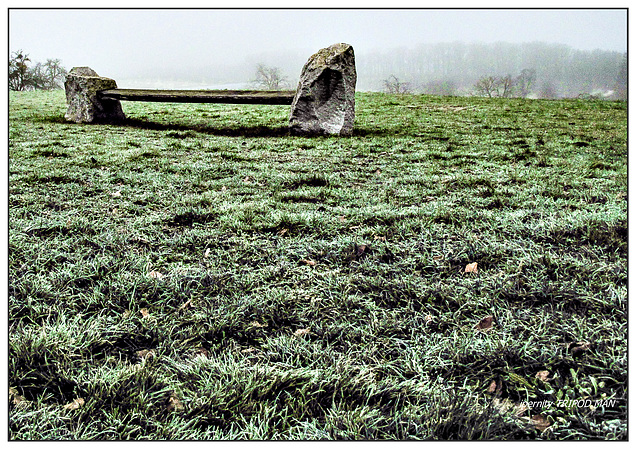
x=495, y=387
x=146, y=354
x=543, y=375
x=157, y=275
x=174, y=404
x=540, y=422
x=471, y=268
x=301, y=332
x=144, y=312
x=257, y=324
x=207, y=253
x=485, y=324
x=17, y=400
x=75, y=404
x=579, y=347
x=308, y=262
x=380, y=238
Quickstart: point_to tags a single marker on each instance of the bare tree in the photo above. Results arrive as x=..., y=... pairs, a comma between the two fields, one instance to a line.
x=393, y=86
x=505, y=86
x=269, y=78
x=487, y=86
x=54, y=74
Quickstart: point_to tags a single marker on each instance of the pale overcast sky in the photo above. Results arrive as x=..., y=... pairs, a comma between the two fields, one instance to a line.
x=120, y=41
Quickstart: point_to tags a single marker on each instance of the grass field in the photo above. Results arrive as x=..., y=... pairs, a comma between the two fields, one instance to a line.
x=457, y=269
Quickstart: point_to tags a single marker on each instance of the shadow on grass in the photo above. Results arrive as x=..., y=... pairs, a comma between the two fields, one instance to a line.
x=237, y=131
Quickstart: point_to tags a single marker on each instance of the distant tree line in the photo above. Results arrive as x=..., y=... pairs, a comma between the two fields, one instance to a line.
x=23, y=76
x=496, y=70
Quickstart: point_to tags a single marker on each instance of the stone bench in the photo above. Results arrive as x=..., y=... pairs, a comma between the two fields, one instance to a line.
x=324, y=102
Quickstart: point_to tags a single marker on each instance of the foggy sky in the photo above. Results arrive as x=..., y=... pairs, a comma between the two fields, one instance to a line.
x=134, y=43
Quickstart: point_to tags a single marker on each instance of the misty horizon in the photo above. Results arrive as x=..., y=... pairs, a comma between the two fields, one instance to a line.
x=193, y=49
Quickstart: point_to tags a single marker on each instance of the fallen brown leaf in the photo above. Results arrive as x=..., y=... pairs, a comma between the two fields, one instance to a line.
x=283, y=231
x=257, y=324
x=174, y=404
x=543, y=375
x=144, y=312
x=380, y=238
x=495, y=387
x=146, y=354
x=156, y=275
x=471, y=268
x=540, y=422
x=75, y=404
x=485, y=323
x=579, y=347
x=308, y=262
x=301, y=332
x=17, y=400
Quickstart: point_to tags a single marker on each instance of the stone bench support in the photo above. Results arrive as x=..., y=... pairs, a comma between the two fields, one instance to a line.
x=324, y=102
x=82, y=87
x=325, y=99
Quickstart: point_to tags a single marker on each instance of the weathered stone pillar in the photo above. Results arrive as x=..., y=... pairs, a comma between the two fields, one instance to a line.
x=325, y=99
x=82, y=86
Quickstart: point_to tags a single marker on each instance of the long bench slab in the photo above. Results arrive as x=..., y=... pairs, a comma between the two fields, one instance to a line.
x=324, y=102
x=201, y=96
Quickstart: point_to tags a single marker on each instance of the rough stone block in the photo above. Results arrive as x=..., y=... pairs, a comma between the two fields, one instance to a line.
x=325, y=99
x=84, y=106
